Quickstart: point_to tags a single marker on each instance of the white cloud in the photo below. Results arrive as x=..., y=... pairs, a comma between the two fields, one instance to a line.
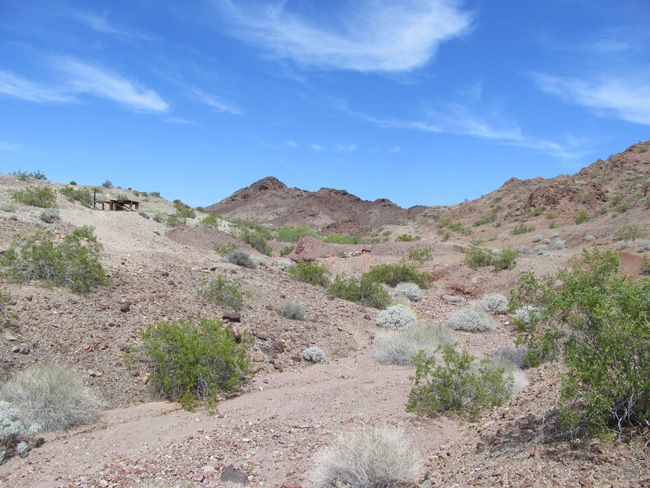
x=394, y=149
x=346, y=148
x=101, y=24
x=291, y=144
x=375, y=35
x=19, y=87
x=623, y=98
x=92, y=80
x=12, y=148
x=214, y=102
x=317, y=147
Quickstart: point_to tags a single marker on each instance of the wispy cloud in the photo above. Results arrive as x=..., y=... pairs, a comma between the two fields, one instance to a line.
x=291, y=144
x=12, y=148
x=317, y=147
x=346, y=148
x=375, y=36
x=623, y=98
x=101, y=24
x=18, y=87
x=394, y=149
x=215, y=103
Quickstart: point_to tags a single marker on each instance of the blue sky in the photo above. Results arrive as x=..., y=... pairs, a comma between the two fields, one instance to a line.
x=420, y=101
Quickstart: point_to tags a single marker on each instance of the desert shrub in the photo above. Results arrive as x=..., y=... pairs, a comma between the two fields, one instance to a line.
x=7, y=207
x=107, y=184
x=399, y=347
x=160, y=217
x=588, y=238
x=144, y=214
x=515, y=356
x=35, y=196
x=410, y=291
x=314, y=354
x=174, y=220
x=629, y=233
x=478, y=257
x=223, y=293
x=645, y=270
x=49, y=215
x=525, y=314
x=155, y=194
x=407, y=238
x=538, y=238
x=470, y=320
x=459, y=383
x=292, y=310
x=13, y=432
x=486, y=219
x=506, y=259
x=522, y=228
x=73, y=263
x=193, y=362
x=393, y=274
x=77, y=195
x=290, y=233
x=286, y=250
x=224, y=249
x=310, y=273
x=183, y=210
x=240, y=258
x=52, y=397
x=559, y=243
x=210, y=221
x=419, y=254
x=30, y=175
x=372, y=458
x=255, y=235
x=522, y=249
x=598, y=321
x=344, y=239
x=7, y=317
x=360, y=290
x=581, y=217
x=495, y=303
x=396, y=317
x=644, y=246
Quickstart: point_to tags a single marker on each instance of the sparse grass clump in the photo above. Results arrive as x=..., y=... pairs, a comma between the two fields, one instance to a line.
x=419, y=254
x=7, y=317
x=290, y=233
x=77, y=195
x=73, y=263
x=240, y=258
x=292, y=310
x=478, y=257
x=459, y=383
x=310, y=273
x=51, y=397
x=35, y=196
x=581, y=217
x=396, y=317
x=393, y=274
x=630, y=233
x=360, y=290
x=223, y=293
x=372, y=458
x=598, y=321
x=470, y=320
x=286, y=250
x=407, y=238
x=522, y=229
x=400, y=347
x=194, y=362
x=344, y=239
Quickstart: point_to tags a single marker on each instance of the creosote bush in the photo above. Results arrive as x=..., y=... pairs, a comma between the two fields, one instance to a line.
x=35, y=196
x=310, y=273
x=459, y=383
x=223, y=293
x=51, y=398
x=240, y=258
x=360, y=290
x=255, y=235
x=478, y=257
x=290, y=233
x=211, y=221
x=598, y=322
x=470, y=320
x=77, y=195
x=396, y=317
x=393, y=274
x=73, y=263
x=194, y=362
x=372, y=458
x=292, y=310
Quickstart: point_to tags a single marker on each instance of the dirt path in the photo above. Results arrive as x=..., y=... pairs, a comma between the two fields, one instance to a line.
x=270, y=433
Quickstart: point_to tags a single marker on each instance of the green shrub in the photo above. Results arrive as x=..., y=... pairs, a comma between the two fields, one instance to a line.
x=292, y=310
x=365, y=291
x=223, y=293
x=629, y=233
x=192, y=362
x=599, y=322
x=460, y=383
x=522, y=229
x=52, y=397
x=506, y=259
x=286, y=250
x=224, y=249
x=407, y=238
x=478, y=257
x=155, y=194
x=486, y=219
x=35, y=196
x=174, y=220
x=210, y=221
x=240, y=258
x=581, y=217
x=255, y=235
x=646, y=265
x=49, y=215
x=344, y=239
x=393, y=274
x=107, y=184
x=7, y=207
x=7, y=317
x=73, y=263
x=77, y=195
x=419, y=254
x=310, y=273
x=30, y=175
x=289, y=233
x=183, y=210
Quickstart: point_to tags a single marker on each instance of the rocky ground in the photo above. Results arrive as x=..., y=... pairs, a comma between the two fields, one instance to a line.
x=268, y=435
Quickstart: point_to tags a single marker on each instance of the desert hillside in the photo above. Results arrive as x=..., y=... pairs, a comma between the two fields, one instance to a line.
x=160, y=261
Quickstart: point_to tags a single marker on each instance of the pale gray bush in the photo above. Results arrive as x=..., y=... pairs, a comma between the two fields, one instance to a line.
x=541, y=250
x=396, y=317
x=621, y=245
x=7, y=207
x=314, y=354
x=559, y=243
x=399, y=347
x=589, y=238
x=284, y=264
x=514, y=355
x=522, y=249
x=644, y=246
x=410, y=291
x=292, y=310
x=452, y=298
x=470, y=320
x=52, y=396
x=240, y=258
x=538, y=238
x=49, y=215
x=372, y=458
x=495, y=303
x=525, y=314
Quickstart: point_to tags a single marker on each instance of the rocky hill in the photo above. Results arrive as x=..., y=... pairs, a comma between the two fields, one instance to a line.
x=271, y=202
